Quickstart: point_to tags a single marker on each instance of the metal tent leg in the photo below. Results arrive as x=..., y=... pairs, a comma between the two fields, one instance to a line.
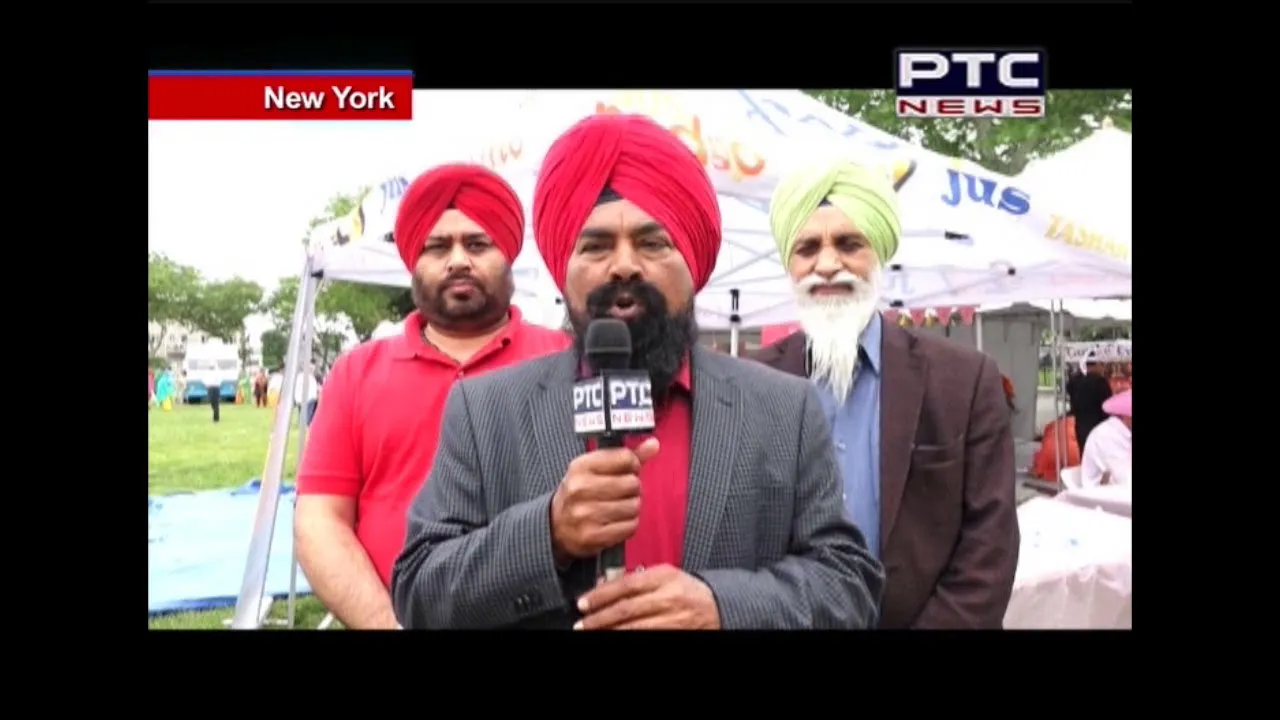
x=304, y=360
x=248, y=604
x=308, y=340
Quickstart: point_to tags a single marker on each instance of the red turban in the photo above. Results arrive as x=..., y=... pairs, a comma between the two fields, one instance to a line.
x=478, y=192
x=642, y=162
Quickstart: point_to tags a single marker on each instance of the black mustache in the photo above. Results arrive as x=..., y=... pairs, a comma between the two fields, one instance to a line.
x=460, y=281
x=604, y=297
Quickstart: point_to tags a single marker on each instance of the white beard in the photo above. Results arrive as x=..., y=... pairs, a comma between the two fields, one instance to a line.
x=835, y=325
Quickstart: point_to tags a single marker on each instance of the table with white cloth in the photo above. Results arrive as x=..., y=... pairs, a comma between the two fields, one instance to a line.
x=1115, y=499
x=1075, y=569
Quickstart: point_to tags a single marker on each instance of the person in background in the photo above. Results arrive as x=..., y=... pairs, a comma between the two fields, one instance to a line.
x=921, y=424
x=1108, y=455
x=244, y=387
x=180, y=387
x=275, y=383
x=1087, y=393
x=214, y=378
x=730, y=518
x=260, y=381
x=164, y=390
x=306, y=393
x=458, y=229
x=1073, y=378
x=151, y=387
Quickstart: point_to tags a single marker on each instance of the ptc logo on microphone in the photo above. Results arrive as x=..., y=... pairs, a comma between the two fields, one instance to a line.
x=970, y=83
x=617, y=401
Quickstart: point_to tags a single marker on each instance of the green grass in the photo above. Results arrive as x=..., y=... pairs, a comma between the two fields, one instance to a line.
x=187, y=451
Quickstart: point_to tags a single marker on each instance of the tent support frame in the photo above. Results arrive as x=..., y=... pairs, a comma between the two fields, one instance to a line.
x=252, y=605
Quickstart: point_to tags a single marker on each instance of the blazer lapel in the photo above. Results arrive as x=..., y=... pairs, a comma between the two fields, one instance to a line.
x=901, y=396
x=550, y=415
x=717, y=412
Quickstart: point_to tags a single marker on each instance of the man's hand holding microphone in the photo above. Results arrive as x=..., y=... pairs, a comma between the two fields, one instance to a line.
x=597, y=506
x=596, y=509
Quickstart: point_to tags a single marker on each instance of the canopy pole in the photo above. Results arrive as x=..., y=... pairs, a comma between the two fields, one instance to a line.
x=735, y=322
x=250, y=601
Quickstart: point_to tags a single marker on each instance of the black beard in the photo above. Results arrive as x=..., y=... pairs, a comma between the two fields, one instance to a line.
x=483, y=311
x=660, y=340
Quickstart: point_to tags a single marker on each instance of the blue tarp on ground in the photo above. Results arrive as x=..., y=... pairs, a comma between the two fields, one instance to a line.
x=197, y=545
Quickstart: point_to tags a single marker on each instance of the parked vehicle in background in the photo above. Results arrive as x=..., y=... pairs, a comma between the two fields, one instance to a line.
x=209, y=366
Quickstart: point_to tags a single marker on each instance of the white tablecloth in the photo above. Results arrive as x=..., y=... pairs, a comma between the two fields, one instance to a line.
x=1075, y=569
x=1115, y=499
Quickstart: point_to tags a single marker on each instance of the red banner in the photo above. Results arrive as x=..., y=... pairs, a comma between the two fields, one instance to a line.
x=287, y=95
x=966, y=314
x=944, y=315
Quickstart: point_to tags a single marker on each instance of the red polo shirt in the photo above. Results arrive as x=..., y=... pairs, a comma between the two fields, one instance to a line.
x=375, y=433
x=664, y=481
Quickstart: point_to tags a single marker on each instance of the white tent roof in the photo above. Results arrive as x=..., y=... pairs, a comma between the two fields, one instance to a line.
x=1091, y=182
x=749, y=139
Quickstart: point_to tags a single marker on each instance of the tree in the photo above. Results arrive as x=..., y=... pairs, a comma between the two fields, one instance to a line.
x=361, y=307
x=275, y=344
x=364, y=307
x=244, y=351
x=325, y=349
x=223, y=307
x=280, y=304
x=172, y=294
x=1005, y=146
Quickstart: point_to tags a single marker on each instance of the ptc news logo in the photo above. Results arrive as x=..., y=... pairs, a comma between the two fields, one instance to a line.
x=970, y=83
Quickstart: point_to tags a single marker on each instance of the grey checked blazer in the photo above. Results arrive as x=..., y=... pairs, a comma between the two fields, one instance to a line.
x=766, y=528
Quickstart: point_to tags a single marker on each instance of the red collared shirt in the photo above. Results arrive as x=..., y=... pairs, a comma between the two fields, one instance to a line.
x=664, y=481
x=375, y=433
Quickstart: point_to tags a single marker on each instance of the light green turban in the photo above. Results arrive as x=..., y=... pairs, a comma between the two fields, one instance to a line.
x=863, y=194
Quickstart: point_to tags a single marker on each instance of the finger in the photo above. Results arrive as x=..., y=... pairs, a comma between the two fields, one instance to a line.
x=607, y=487
x=617, y=511
x=610, y=535
x=656, y=621
x=610, y=461
x=600, y=537
x=646, y=450
x=611, y=592
x=628, y=610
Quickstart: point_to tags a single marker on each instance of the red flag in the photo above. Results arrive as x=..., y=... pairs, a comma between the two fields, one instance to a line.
x=891, y=315
x=966, y=314
x=944, y=315
x=917, y=317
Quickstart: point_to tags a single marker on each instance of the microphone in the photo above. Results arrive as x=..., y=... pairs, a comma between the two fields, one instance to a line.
x=613, y=402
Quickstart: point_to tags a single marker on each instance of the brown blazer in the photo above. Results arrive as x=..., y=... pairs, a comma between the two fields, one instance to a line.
x=948, y=521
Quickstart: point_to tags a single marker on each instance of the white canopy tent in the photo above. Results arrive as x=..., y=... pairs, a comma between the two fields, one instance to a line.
x=748, y=140
x=929, y=269
x=1092, y=182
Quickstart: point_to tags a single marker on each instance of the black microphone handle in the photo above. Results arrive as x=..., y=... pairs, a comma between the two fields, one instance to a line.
x=612, y=563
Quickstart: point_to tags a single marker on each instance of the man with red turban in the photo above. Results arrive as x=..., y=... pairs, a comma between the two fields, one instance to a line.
x=458, y=229
x=728, y=516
